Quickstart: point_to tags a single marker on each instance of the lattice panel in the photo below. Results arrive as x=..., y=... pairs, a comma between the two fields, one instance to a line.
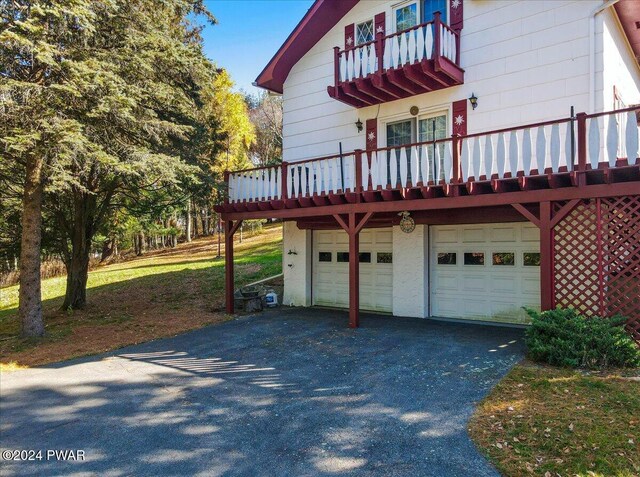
x=621, y=258
x=576, y=260
x=597, y=259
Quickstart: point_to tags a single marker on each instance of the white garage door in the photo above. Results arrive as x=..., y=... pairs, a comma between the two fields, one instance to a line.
x=331, y=269
x=485, y=272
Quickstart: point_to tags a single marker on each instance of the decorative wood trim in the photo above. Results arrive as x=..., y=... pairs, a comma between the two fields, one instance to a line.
x=524, y=211
x=349, y=35
x=379, y=24
x=456, y=14
x=341, y=222
x=564, y=211
x=459, y=117
x=371, y=128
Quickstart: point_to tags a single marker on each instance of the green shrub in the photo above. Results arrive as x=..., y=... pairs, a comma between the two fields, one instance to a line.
x=563, y=337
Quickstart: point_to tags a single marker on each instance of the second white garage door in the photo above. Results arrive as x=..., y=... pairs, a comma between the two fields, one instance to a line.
x=331, y=269
x=485, y=272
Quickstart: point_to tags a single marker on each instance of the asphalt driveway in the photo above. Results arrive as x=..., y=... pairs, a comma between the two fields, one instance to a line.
x=289, y=393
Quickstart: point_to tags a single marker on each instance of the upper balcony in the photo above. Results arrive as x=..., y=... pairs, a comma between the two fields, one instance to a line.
x=547, y=159
x=418, y=60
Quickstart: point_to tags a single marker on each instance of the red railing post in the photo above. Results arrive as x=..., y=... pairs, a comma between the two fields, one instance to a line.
x=457, y=47
x=380, y=51
x=582, y=142
x=455, y=147
x=226, y=181
x=285, y=180
x=336, y=65
x=579, y=172
x=437, y=26
x=358, y=159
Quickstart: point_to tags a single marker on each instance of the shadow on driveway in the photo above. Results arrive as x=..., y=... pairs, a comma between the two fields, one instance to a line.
x=289, y=392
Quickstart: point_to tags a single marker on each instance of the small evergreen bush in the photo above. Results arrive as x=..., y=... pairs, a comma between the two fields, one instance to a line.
x=564, y=337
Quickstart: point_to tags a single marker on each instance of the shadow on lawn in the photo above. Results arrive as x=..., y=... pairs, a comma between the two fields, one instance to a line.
x=290, y=393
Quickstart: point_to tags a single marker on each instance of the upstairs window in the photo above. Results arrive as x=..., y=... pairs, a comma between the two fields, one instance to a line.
x=405, y=16
x=432, y=6
x=364, y=32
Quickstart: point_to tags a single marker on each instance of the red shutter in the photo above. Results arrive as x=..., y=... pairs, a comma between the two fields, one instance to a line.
x=349, y=36
x=459, y=119
x=379, y=24
x=455, y=14
x=372, y=134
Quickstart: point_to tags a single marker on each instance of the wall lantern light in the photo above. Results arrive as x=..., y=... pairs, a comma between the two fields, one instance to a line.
x=359, y=125
x=474, y=101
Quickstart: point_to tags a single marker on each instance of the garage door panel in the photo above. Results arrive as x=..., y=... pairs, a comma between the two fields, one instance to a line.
x=473, y=235
x=504, y=284
x=531, y=286
x=485, y=292
x=530, y=233
x=503, y=234
x=446, y=235
x=448, y=282
x=474, y=283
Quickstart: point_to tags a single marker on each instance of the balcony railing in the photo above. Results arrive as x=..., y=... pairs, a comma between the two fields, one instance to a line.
x=417, y=60
x=567, y=152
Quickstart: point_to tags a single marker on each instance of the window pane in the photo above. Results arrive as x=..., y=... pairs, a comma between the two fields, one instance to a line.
x=399, y=133
x=432, y=6
x=474, y=258
x=342, y=256
x=531, y=259
x=364, y=32
x=406, y=17
x=448, y=258
x=504, y=258
x=364, y=257
x=324, y=256
x=430, y=129
x=384, y=257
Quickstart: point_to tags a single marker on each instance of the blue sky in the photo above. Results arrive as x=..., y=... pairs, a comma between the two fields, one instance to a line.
x=248, y=34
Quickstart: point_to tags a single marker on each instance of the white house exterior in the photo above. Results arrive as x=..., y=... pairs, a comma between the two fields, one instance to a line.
x=528, y=62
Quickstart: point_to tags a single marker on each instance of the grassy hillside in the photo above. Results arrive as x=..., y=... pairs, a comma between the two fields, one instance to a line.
x=160, y=294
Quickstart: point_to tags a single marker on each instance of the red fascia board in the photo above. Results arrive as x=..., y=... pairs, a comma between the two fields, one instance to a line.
x=629, y=13
x=319, y=19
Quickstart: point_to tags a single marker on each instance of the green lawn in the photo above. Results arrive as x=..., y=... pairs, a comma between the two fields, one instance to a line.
x=165, y=292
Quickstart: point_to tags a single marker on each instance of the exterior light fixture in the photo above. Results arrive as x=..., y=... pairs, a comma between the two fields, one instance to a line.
x=473, y=100
x=359, y=125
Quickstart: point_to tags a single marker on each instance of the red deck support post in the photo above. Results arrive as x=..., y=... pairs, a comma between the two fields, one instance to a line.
x=353, y=227
x=546, y=257
x=354, y=273
x=229, y=229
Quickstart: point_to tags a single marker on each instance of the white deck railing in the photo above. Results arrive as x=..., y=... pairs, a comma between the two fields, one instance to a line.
x=586, y=142
x=399, y=49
